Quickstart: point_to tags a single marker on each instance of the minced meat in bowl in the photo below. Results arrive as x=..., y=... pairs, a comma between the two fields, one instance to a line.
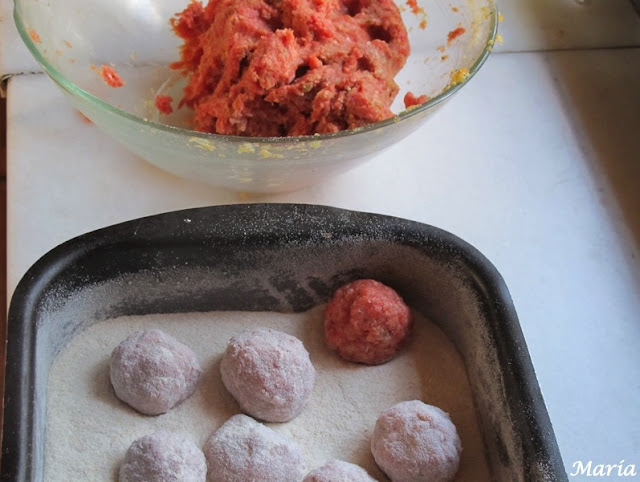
x=122, y=64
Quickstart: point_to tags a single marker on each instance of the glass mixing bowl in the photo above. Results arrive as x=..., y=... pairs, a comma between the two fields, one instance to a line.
x=73, y=39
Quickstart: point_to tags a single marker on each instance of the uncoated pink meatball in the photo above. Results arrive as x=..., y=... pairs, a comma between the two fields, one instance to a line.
x=152, y=372
x=366, y=321
x=269, y=373
x=163, y=457
x=244, y=450
x=338, y=470
x=414, y=442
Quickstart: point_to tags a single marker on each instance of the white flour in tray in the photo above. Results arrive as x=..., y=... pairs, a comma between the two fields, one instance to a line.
x=89, y=429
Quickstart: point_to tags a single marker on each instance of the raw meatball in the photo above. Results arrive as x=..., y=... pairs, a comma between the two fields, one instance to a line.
x=413, y=442
x=269, y=374
x=243, y=449
x=152, y=372
x=366, y=321
x=163, y=457
x=338, y=470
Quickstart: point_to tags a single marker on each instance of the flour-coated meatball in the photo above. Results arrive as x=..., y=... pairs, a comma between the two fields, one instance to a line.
x=414, y=442
x=152, y=372
x=269, y=373
x=339, y=471
x=163, y=457
x=243, y=450
x=366, y=321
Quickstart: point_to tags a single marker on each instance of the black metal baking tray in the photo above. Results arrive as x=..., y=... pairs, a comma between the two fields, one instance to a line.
x=276, y=257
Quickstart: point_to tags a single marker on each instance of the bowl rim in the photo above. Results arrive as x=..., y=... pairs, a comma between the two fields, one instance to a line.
x=75, y=90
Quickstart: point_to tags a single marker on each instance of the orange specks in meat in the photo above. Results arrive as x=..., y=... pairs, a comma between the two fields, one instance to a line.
x=455, y=33
x=33, y=35
x=163, y=104
x=110, y=76
x=410, y=100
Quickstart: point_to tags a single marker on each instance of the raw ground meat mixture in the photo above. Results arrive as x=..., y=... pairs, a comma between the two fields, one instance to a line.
x=163, y=104
x=366, y=321
x=290, y=67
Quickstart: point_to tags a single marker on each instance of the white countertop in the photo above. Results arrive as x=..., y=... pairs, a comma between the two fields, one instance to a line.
x=536, y=163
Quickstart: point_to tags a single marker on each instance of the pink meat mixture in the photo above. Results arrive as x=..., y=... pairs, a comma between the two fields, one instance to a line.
x=366, y=321
x=290, y=67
